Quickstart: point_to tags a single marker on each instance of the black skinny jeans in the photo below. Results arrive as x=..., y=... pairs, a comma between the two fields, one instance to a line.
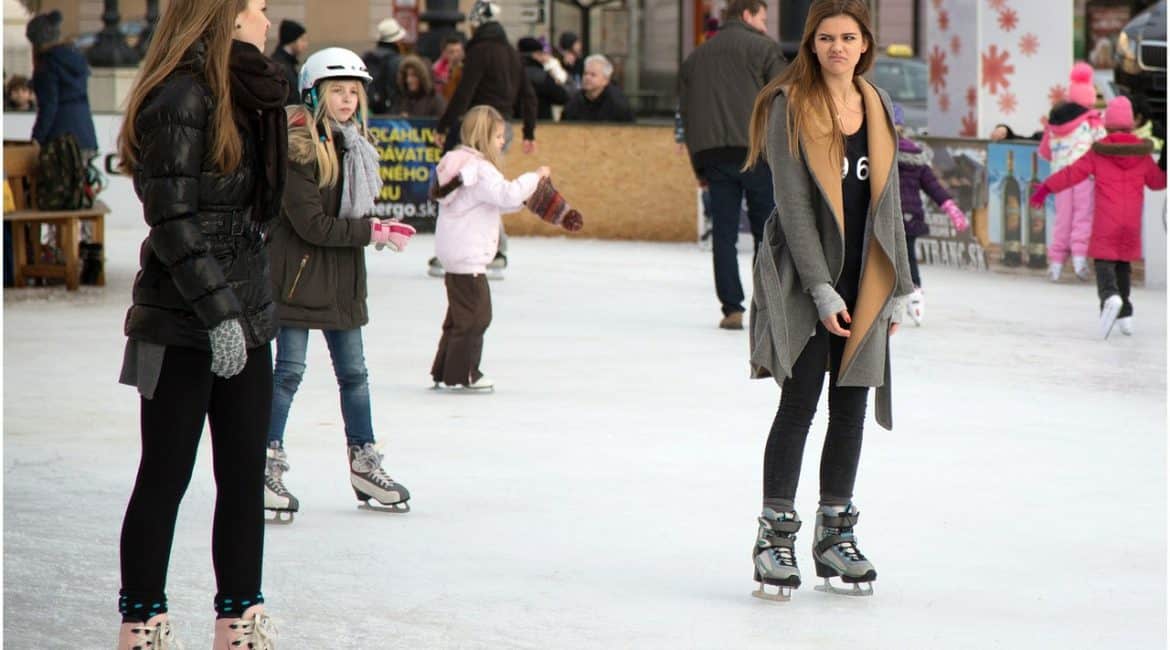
x=798, y=402
x=172, y=424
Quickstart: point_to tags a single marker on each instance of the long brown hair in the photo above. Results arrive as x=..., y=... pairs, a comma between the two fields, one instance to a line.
x=426, y=87
x=804, y=83
x=183, y=24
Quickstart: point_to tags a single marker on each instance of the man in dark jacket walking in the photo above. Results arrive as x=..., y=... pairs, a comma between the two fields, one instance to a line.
x=290, y=47
x=718, y=83
x=492, y=74
x=540, y=66
x=598, y=100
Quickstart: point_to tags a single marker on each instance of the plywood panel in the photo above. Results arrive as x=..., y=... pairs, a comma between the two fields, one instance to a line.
x=629, y=182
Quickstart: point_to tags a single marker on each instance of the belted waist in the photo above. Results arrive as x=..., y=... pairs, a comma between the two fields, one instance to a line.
x=235, y=222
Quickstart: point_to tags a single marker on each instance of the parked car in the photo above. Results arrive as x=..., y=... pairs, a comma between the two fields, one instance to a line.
x=1140, y=59
x=905, y=79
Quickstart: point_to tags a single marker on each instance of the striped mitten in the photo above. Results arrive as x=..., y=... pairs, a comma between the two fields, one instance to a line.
x=550, y=205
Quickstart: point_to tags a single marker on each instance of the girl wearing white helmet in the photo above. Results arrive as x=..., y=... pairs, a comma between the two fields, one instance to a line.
x=319, y=267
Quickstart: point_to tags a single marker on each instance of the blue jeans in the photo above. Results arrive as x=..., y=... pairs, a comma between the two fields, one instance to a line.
x=728, y=187
x=349, y=365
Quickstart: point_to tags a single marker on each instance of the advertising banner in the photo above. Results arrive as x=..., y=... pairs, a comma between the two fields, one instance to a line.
x=1019, y=234
x=409, y=155
x=961, y=168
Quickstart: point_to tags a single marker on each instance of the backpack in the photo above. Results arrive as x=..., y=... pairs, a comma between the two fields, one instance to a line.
x=65, y=179
x=383, y=90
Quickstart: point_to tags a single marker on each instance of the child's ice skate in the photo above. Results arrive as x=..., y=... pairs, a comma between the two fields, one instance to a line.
x=836, y=554
x=482, y=385
x=1081, y=267
x=1109, y=312
x=916, y=307
x=370, y=481
x=154, y=634
x=773, y=555
x=1125, y=325
x=277, y=498
x=255, y=631
x=1054, y=271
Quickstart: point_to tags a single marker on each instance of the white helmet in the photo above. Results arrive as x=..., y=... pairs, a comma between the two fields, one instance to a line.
x=332, y=63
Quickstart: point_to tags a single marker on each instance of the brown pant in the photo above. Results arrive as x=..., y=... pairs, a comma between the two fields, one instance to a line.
x=469, y=312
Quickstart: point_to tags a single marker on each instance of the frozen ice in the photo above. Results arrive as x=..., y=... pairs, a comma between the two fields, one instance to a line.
x=605, y=496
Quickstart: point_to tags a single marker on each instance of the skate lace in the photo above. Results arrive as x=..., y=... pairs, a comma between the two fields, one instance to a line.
x=257, y=633
x=274, y=477
x=157, y=637
x=783, y=556
x=369, y=462
x=847, y=547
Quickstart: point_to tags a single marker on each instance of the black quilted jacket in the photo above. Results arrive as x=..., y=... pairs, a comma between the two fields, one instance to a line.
x=204, y=260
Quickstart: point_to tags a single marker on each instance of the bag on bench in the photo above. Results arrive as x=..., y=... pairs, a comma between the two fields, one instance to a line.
x=65, y=179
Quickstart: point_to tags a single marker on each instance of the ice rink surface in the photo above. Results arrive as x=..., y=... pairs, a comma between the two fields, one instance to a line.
x=605, y=496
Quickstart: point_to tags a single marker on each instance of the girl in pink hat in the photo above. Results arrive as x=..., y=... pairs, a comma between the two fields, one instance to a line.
x=1073, y=126
x=1122, y=167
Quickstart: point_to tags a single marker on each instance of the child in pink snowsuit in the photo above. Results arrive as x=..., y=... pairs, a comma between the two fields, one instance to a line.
x=1072, y=128
x=1122, y=167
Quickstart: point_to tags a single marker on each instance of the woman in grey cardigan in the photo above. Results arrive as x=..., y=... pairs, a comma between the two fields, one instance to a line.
x=829, y=284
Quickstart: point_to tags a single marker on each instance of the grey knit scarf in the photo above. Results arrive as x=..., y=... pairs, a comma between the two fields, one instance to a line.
x=362, y=183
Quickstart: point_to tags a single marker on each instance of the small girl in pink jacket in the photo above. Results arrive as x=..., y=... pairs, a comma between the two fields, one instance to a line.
x=1121, y=166
x=1072, y=128
x=472, y=194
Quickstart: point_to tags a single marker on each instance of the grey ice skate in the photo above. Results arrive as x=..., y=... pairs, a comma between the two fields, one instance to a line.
x=370, y=481
x=277, y=498
x=836, y=554
x=773, y=555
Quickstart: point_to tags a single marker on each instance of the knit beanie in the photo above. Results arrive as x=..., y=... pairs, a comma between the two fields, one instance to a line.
x=290, y=30
x=1119, y=114
x=548, y=204
x=44, y=29
x=528, y=45
x=1080, y=88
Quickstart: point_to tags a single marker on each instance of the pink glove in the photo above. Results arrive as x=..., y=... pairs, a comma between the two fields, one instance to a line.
x=1039, y=196
x=394, y=234
x=958, y=219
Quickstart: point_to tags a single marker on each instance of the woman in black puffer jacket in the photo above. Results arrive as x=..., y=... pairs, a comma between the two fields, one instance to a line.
x=205, y=141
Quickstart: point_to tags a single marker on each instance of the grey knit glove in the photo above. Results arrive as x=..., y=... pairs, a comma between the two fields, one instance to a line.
x=898, y=305
x=827, y=299
x=229, y=353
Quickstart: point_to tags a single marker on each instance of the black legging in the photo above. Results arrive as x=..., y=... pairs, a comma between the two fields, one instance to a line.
x=913, y=257
x=172, y=424
x=798, y=402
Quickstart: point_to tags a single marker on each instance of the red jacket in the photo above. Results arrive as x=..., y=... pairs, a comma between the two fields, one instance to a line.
x=1121, y=168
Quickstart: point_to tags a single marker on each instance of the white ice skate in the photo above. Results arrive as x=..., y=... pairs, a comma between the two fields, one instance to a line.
x=1125, y=325
x=836, y=554
x=1054, y=271
x=483, y=385
x=255, y=630
x=435, y=268
x=370, y=481
x=156, y=634
x=775, y=564
x=1081, y=267
x=495, y=268
x=916, y=307
x=277, y=499
x=1109, y=312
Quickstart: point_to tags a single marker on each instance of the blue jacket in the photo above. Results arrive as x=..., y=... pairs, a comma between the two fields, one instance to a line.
x=61, y=82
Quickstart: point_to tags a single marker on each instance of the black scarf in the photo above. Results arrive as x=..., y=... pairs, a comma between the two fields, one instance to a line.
x=259, y=91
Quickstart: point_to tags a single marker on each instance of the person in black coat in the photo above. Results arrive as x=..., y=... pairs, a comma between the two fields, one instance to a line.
x=290, y=47
x=598, y=100
x=540, y=66
x=61, y=83
x=210, y=179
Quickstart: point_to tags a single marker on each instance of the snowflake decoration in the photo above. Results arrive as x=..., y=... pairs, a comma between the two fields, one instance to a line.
x=970, y=126
x=997, y=5
x=1056, y=95
x=956, y=44
x=944, y=20
x=1029, y=44
x=996, y=69
x=1008, y=19
x=944, y=103
x=972, y=96
x=1007, y=103
x=938, y=69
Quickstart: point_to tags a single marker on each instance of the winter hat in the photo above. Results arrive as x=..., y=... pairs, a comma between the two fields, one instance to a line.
x=1080, y=88
x=1119, y=114
x=567, y=41
x=389, y=31
x=483, y=12
x=548, y=204
x=290, y=30
x=528, y=45
x=44, y=29
x=899, y=115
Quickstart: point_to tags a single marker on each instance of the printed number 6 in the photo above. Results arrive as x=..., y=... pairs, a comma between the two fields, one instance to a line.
x=863, y=168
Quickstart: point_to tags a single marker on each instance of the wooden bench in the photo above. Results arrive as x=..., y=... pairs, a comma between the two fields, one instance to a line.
x=30, y=257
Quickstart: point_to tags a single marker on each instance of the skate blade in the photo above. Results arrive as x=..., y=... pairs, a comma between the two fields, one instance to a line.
x=462, y=390
x=829, y=588
x=782, y=594
x=280, y=517
x=400, y=508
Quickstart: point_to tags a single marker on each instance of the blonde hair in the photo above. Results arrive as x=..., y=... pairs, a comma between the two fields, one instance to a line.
x=327, y=163
x=478, y=132
x=804, y=83
x=183, y=24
